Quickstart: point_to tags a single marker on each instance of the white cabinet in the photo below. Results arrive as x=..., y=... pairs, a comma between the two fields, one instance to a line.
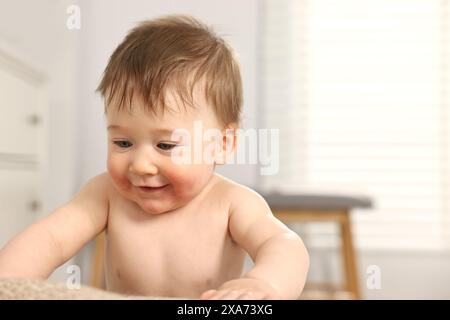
x=19, y=201
x=22, y=141
x=19, y=119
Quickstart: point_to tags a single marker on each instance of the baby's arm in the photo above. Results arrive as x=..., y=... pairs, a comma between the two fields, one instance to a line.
x=281, y=259
x=41, y=248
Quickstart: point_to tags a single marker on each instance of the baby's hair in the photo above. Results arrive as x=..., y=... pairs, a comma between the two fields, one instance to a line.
x=173, y=52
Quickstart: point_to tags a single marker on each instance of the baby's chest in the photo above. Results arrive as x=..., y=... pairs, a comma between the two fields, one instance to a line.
x=184, y=247
x=171, y=241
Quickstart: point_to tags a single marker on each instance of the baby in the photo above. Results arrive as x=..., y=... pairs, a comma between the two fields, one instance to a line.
x=174, y=227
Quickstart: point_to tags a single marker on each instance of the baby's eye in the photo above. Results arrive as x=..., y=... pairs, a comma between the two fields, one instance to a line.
x=123, y=144
x=166, y=146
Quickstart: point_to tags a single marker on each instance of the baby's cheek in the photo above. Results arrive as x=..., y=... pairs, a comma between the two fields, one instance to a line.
x=117, y=175
x=188, y=181
x=181, y=182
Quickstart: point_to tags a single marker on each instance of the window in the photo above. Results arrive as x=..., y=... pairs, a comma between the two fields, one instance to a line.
x=361, y=92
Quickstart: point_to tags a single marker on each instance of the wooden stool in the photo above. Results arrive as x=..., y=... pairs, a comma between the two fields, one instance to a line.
x=97, y=277
x=321, y=208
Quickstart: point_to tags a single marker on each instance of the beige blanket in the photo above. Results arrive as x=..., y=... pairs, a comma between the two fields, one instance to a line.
x=26, y=289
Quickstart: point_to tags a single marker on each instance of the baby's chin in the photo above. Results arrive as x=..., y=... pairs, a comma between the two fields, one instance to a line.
x=154, y=210
x=151, y=207
x=156, y=207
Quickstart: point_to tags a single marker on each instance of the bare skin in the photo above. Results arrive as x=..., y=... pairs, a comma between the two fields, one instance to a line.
x=187, y=251
x=177, y=230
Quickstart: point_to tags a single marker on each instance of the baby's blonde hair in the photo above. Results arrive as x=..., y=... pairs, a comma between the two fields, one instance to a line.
x=175, y=52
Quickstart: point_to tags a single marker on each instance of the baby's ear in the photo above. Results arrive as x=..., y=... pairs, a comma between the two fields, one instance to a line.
x=229, y=144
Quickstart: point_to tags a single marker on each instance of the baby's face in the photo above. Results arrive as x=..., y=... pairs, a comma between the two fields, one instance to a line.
x=140, y=149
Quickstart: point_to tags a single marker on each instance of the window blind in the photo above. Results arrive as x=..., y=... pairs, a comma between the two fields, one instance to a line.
x=360, y=93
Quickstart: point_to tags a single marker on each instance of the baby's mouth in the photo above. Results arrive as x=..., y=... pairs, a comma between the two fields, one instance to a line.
x=152, y=189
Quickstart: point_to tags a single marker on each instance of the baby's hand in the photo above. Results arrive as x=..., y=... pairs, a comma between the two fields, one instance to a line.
x=242, y=289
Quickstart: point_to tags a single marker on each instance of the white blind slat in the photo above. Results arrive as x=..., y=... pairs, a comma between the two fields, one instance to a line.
x=361, y=92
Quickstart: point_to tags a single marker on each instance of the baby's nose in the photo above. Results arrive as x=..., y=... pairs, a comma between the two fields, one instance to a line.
x=143, y=165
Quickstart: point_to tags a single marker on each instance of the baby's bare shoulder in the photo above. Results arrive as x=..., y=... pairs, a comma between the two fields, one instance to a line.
x=103, y=183
x=98, y=189
x=238, y=194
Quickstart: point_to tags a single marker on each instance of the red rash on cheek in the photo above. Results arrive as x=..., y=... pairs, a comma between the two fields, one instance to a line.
x=117, y=176
x=182, y=181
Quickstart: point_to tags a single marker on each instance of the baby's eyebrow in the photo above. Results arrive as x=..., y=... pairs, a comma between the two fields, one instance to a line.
x=114, y=126
x=157, y=130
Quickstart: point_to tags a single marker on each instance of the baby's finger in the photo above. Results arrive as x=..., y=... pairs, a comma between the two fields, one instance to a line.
x=218, y=295
x=250, y=295
x=231, y=295
x=247, y=295
x=207, y=294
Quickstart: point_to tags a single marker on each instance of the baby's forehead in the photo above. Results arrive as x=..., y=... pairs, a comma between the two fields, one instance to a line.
x=168, y=118
x=159, y=114
x=172, y=104
x=170, y=99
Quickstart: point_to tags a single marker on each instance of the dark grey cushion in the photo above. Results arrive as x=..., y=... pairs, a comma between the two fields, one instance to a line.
x=316, y=201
